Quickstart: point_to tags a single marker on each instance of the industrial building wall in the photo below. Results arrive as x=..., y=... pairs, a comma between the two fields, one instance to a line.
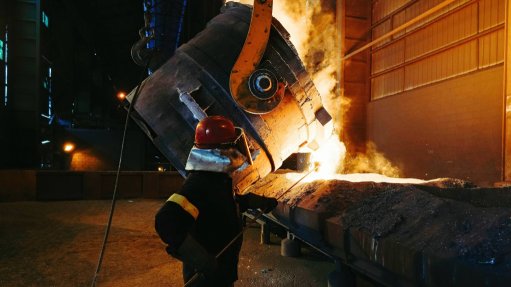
x=4, y=139
x=355, y=23
x=436, y=106
x=20, y=101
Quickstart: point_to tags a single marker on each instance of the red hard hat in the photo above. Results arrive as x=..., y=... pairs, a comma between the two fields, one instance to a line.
x=213, y=131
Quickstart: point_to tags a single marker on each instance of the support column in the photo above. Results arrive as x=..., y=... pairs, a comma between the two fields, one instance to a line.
x=507, y=95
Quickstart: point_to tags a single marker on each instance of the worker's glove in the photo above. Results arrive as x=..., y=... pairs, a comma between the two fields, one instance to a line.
x=254, y=201
x=192, y=253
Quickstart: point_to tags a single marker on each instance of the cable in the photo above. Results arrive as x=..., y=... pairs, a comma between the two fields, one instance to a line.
x=116, y=184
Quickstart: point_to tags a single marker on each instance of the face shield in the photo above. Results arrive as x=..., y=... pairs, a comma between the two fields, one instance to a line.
x=224, y=157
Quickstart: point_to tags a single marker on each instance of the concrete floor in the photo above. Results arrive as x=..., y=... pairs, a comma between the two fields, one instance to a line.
x=58, y=243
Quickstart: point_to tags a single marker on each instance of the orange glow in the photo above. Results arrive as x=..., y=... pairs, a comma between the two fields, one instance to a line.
x=315, y=36
x=313, y=32
x=353, y=177
x=68, y=147
x=328, y=159
x=86, y=160
x=121, y=95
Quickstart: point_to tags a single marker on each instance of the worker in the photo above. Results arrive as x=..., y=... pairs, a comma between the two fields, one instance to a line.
x=202, y=218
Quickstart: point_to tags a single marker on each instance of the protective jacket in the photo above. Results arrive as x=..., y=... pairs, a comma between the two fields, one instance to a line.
x=200, y=220
x=205, y=208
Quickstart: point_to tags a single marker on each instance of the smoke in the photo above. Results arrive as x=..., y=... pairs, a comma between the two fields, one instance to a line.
x=314, y=34
x=313, y=30
x=312, y=27
x=371, y=161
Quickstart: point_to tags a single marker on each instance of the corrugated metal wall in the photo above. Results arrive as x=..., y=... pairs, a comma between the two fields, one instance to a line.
x=355, y=18
x=465, y=37
x=436, y=107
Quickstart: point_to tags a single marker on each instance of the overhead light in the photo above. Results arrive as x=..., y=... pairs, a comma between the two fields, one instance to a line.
x=121, y=95
x=45, y=142
x=68, y=147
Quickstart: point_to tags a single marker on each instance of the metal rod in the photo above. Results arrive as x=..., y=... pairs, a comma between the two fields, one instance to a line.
x=394, y=13
x=400, y=28
x=423, y=27
x=440, y=50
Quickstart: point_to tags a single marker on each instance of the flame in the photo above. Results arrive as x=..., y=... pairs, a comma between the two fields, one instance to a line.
x=352, y=177
x=313, y=32
x=327, y=163
x=329, y=158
